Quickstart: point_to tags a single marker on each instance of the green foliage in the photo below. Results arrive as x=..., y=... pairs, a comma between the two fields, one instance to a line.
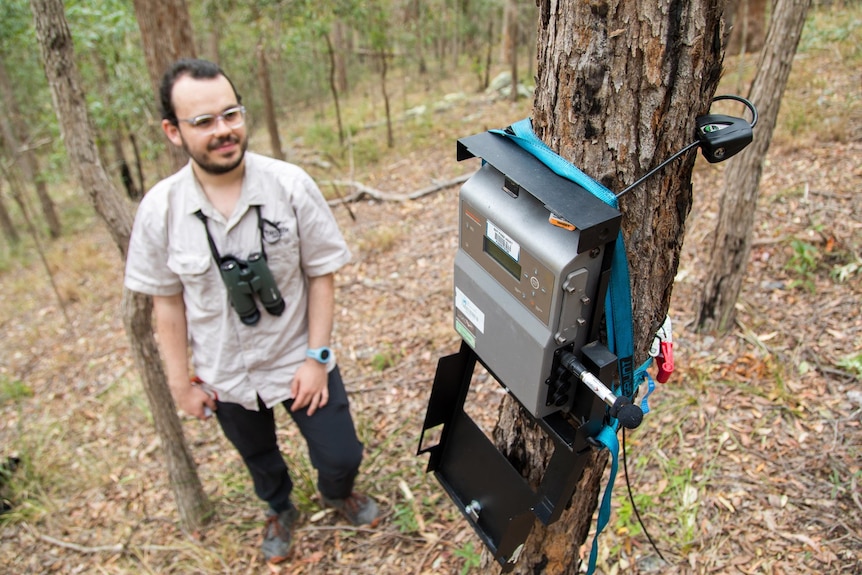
x=685, y=492
x=404, y=518
x=852, y=363
x=21, y=57
x=109, y=57
x=826, y=29
x=416, y=38
x=626, y=519
x=22, y=489
x=803, y=263
x=819, y=109
x=471, y=555
x=13, y=390
x=385, y=359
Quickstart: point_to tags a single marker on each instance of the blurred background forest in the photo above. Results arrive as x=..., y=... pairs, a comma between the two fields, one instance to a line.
x=294, y=61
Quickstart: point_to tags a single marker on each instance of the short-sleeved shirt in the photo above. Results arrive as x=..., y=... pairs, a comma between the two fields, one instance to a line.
x=169, y=254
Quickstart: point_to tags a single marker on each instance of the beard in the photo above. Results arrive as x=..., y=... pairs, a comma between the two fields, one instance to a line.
x=210, y=165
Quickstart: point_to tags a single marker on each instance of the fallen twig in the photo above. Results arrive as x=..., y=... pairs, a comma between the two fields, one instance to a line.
x=117, y=548
x=362, y=191
x=86, y=549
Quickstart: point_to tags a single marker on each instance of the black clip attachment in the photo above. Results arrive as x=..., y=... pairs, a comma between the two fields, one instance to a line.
x=723, y=136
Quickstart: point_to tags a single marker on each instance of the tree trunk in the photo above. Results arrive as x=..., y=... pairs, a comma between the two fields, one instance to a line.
x=139, y=170
x=384, y=66
x=213, y=41
x=6, y=224
x=125, y=170
x=166, y=35
x=192, y=503
x=268, y=100
x=512, y=7
x=333, y=85
x=489, y=48
x=732, y=238
x=15, y=134
x=338, y=48
x=55, y=42
x=748, y=24
x=619, y=85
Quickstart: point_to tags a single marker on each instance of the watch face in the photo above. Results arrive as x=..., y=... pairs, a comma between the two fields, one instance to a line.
x=321, y=354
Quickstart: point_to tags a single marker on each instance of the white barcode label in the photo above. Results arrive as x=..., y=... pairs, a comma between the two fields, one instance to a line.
x=502, y=239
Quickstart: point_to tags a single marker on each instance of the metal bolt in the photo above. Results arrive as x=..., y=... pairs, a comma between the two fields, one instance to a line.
x=473, y=509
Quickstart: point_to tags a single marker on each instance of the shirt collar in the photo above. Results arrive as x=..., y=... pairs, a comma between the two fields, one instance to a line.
x=252, y=192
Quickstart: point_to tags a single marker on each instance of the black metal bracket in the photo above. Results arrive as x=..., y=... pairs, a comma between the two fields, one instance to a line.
x=491, y=494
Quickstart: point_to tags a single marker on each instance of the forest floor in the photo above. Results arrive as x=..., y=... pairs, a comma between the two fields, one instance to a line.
x=749, y=461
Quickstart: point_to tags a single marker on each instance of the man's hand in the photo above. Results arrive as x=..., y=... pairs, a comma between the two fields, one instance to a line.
x=193, y=400
x=309, y=386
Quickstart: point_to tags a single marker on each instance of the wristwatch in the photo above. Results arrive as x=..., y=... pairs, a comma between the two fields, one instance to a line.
x=321, y=354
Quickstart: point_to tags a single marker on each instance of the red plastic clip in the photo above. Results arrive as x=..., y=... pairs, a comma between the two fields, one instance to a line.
x=664, y=359
x=662, y=350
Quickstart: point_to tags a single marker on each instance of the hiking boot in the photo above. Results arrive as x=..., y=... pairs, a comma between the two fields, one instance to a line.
x=278, y=534
x=357, y=508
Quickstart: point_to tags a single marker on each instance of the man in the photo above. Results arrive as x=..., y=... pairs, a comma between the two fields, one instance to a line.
x=230, y=233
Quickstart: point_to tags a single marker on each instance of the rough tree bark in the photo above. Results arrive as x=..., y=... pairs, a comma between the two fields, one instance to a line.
x=732, y=237
x=618, y=87
x=55, y=42
x=166, y=36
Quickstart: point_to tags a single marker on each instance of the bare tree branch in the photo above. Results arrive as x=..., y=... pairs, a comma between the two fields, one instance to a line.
x=362, y=191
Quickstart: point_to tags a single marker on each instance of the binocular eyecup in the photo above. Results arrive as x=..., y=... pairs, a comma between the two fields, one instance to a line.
x=244, y=279
x=264, y=284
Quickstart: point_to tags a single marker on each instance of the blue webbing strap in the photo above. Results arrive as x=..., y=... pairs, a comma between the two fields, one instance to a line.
x=650, y=385
x=618, y=300
x=618, y=308
x=608, y=438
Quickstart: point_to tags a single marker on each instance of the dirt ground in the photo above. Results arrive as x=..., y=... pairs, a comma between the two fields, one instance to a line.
x=748, y=463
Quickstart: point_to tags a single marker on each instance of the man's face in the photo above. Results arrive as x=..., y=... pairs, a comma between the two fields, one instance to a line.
x=215, y=149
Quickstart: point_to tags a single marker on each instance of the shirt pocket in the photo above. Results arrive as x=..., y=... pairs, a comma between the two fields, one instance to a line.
x=283, y=259
x=202, y=289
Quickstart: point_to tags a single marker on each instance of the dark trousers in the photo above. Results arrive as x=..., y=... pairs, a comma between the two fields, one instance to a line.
x=333, y=447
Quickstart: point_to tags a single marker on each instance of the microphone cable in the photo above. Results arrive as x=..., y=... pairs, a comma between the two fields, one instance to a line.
x=632, y=499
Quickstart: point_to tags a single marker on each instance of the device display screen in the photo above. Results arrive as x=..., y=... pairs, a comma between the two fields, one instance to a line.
x=503, y=258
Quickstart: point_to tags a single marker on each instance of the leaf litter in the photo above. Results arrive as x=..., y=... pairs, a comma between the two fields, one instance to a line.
x=748, y=463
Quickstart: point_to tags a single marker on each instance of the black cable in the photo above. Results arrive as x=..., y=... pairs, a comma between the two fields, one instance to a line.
x=694, y=144
x=745, y=102
x=632, y=499
x=658, y=167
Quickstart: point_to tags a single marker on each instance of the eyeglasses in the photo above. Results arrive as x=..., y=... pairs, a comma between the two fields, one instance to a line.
x=207, y=123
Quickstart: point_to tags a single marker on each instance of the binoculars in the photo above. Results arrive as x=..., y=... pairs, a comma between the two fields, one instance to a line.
x=243, y=280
